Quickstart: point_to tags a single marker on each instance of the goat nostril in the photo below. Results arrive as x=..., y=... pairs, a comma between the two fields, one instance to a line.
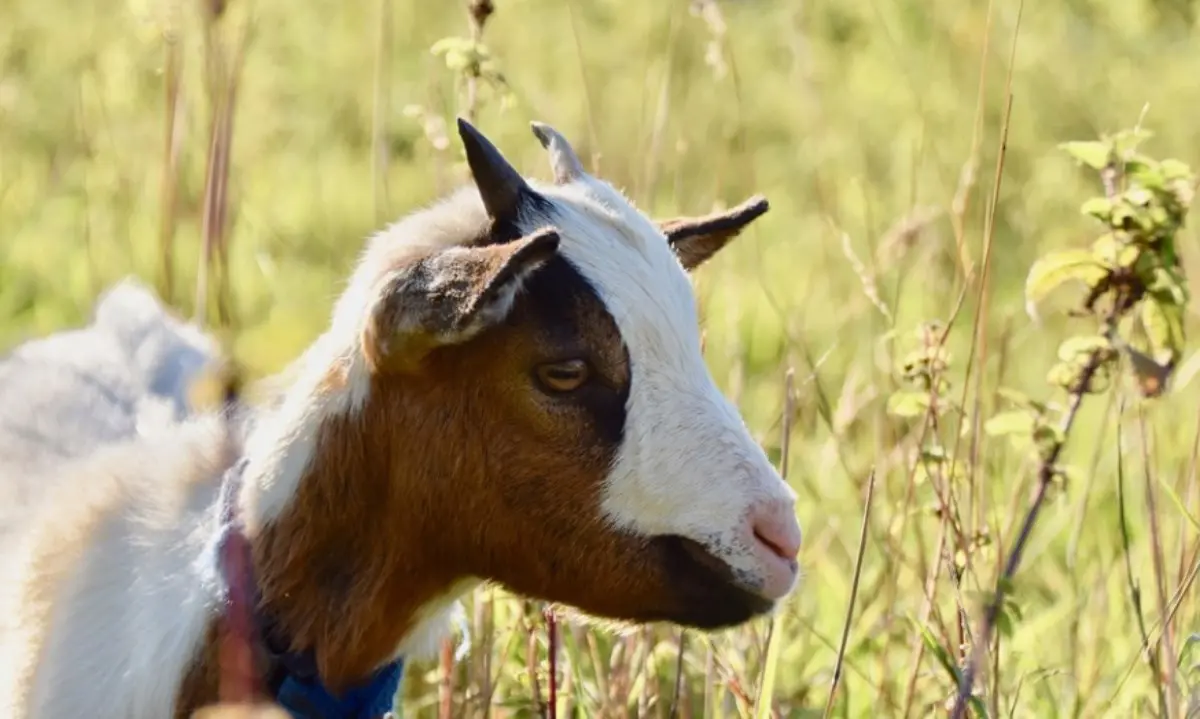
x=778, y=533
x=772, y=546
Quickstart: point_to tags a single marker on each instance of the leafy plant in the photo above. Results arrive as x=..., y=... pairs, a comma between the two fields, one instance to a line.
x=1135, y=293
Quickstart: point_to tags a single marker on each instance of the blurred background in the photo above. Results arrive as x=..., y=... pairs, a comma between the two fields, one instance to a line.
x=873, y=127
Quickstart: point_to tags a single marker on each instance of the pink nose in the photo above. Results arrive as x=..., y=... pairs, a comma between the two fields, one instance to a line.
x=774, y=524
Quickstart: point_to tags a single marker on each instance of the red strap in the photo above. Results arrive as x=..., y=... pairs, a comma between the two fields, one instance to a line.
x=239, y=681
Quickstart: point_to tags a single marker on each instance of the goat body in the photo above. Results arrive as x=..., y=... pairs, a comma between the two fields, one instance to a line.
x=510, y=390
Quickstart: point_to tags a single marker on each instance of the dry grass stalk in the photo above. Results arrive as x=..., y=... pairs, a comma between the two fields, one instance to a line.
x=221, y=75
x=1166, y=644
x=172, y=142
x=858, y=562
x=381, y=108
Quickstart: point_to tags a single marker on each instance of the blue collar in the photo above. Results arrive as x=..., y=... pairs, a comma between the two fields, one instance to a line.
x=291, y=678
x=308, y=698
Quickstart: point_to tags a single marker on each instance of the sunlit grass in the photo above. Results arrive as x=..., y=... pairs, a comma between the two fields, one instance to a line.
x=865, y=124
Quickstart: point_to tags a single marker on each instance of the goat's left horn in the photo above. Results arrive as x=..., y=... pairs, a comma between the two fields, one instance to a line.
x=563, y=161
x=500, y=185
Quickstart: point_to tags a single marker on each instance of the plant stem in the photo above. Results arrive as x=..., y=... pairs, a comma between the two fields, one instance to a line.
x=858, y=562
x=552, y=660
x=1166, y=640
x=1046, y=474
x=678, y=691
x=1135, y=590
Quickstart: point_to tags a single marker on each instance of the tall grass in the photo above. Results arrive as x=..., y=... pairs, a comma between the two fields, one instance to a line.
x=910, y=157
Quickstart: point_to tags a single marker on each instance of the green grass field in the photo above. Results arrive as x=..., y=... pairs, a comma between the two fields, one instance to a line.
x=874, y=128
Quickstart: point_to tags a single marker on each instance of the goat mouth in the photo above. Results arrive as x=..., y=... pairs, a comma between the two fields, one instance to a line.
x=704, y=590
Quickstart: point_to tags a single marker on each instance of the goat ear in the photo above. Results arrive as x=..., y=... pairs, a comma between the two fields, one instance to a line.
x=696, y=239
x=449, y=297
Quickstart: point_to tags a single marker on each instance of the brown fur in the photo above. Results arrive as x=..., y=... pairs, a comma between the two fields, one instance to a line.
x=457, y=467
x=696, y=239
x=446, y=478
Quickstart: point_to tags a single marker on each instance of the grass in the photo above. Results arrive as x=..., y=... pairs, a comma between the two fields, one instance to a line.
x=873, y=126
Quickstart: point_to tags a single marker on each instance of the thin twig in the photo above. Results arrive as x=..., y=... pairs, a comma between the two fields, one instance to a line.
x=1176, y=602
x=766, y=679
x=172, y=136
x=1166, y=641
x=593, y=136
x=918, y=652
x=478, y=12
x=858, y=562
x=552, y=660
x=1046, y=474
x=381, y=110
x=677, y=692
x=1135, y=590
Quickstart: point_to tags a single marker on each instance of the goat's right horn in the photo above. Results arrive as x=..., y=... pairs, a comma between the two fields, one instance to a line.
x=563, y=161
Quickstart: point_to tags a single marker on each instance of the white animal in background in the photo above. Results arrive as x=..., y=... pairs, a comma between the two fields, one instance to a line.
x=63, y=396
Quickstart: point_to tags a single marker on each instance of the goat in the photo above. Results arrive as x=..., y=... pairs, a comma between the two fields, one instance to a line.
x=510, y=390
x=127, y=372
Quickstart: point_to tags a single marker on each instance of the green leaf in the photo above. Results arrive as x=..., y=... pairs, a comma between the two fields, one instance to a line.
x=1179, y=504
x=1126, y=141
x=1099, y=207
x=1160, y=217
x=1169, y=285
x=1075, y=347
x=1184, y=191
x=1162, y=319
x=1020, y=399
x=1017, y=397
x=1054, y=269
x=1047, y=435
x=1017, y=421
x=1145, y=177
x=459, y=53
x=979, y=707
x=766, y=690
x=934, y=453
x=908, y=404
x=1123, y=217
x=939, y=652
x=1105, y=249
x=1004, y=623
x=1093, y=154
x=1069, y=474
x=1063, y=374
x=1189, y=662
x=1175, y=170
x=1140, y=196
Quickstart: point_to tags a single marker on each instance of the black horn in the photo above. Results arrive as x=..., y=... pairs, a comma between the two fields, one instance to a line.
x=499, y=183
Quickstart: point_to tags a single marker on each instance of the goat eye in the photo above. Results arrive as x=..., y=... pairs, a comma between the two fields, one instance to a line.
x=565, y=376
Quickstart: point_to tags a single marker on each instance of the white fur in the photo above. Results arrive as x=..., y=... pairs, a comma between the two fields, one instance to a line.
x=70, y=393
x=127, y=622
x=73, y=390
x=280, y=454
x=73, y=395
x=687, y=464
